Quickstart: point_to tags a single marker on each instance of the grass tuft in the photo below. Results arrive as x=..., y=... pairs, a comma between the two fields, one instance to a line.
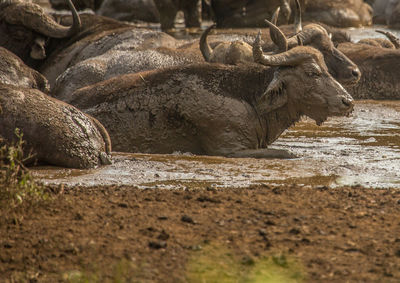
x=17, y=186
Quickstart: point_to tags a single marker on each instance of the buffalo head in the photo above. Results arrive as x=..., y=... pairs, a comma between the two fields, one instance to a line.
x=339, y=65
x=302, y=82
x=25, y=27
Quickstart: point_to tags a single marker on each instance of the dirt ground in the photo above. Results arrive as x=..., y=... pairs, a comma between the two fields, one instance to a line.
x=125, y=234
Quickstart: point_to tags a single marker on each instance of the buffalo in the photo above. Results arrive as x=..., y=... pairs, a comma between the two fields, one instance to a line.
x=216, y=109
x=57, y=133
x=377, y=60
x=339, y=13
x=392, y=41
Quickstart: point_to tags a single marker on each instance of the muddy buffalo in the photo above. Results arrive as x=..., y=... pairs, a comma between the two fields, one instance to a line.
x=377, y=59
x=56, y=132
x=391, y=42
x=215, y=109
x=339, y=13
x=379, y=67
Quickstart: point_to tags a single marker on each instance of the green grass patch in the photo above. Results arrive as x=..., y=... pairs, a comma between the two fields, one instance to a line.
x=218, y=264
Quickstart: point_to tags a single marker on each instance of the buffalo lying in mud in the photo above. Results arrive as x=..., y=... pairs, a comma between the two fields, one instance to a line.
x=339, y=13
x=56, y=132
x=315, y=35
x=379, y=67
x=215, y=109
x=392, y=41
x=377, y=59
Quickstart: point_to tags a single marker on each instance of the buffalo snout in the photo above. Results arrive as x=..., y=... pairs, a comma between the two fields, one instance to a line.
x=347, y=103
x=356, y=74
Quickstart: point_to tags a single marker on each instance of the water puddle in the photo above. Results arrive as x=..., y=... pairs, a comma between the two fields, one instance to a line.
x=360, y=150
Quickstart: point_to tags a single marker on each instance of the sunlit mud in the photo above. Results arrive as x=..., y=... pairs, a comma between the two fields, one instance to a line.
x=360, y=150
x=370, y=32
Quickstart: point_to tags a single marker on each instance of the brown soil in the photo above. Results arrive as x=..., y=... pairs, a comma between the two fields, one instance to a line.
x=124, y=234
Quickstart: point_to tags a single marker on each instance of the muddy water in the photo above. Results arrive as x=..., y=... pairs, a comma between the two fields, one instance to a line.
x=360, y=150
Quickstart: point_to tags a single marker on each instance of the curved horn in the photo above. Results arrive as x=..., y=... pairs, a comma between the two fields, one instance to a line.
x=305, y=36
x=292, y=57
x=275, y=15
x=33, y=17
x=393, y=39
x=204, y=46
x=297, y=18
x=277, y=37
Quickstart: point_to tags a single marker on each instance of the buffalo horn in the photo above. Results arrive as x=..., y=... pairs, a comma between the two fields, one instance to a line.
x=304, y=36
x=393, y=39
x=275, y=15
x=291, y=57
x=204, y=46
x=277, y=37
x=297, y=18
x=33, y=17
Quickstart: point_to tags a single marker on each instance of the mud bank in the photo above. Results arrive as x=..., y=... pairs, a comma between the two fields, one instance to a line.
x=360, y=150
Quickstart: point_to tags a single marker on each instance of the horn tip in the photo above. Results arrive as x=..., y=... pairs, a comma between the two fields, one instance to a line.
x=268, y=22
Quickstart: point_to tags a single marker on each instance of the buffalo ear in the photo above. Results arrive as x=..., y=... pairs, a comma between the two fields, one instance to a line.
x=275, y=96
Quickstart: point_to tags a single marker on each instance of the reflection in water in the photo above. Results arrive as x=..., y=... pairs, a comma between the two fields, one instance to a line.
x=363, y=149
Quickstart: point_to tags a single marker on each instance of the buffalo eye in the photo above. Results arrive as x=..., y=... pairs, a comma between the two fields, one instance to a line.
x=313, y=70
x=313, y=74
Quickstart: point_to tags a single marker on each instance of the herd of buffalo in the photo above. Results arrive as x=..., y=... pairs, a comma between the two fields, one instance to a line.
x=76, y=83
